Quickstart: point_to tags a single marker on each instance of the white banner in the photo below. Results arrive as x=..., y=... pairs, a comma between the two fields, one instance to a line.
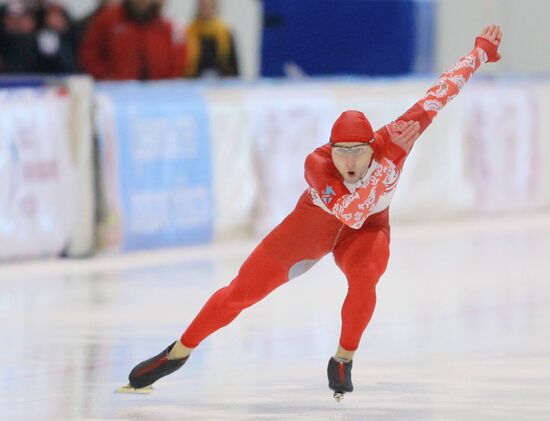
x=478, y=156
x=288, y=124
x=502, y=149
x=36, y=174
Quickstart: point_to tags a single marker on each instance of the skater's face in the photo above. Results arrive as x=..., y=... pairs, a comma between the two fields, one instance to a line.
x=352, y=159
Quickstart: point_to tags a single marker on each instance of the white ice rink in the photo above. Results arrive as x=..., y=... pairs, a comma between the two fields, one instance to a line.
x=461, y=332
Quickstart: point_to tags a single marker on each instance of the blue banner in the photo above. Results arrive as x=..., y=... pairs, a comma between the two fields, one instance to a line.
x=163, y=164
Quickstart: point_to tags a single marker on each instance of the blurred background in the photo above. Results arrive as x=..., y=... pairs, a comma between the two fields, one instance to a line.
x=146, y=145
x=147, y=123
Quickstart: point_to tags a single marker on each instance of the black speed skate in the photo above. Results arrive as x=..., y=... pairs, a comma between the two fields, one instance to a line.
x=339, y=377
x=149, y=371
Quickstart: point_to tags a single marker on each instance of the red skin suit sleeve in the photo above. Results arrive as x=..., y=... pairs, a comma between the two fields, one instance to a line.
x=353, y=208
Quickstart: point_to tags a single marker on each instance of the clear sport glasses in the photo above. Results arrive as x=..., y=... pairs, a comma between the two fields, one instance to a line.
x=350, y=150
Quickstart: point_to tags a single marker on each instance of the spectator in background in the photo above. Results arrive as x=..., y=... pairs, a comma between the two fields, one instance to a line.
x=209, y=44
x=18, y=49
x=36, y=37
x=55, y=39
x=82, y=24
x=131, y=41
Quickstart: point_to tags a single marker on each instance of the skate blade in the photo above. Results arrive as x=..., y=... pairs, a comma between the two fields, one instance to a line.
x=338, y=396
x=129, y=389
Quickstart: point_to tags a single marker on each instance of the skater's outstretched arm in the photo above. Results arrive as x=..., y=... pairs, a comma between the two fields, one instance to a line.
x=449, y=85
x=391, y=143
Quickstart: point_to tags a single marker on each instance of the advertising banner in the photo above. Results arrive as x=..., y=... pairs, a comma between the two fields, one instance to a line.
x=156, y=167
x=289, y=122
x=479, y=156
x=36, y=174
x=502, y=144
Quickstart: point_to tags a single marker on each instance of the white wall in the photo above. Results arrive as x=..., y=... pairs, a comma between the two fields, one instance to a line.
x=526, y=40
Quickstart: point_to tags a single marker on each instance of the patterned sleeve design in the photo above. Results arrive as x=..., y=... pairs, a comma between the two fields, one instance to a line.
x=452, y=81
x=375, y=192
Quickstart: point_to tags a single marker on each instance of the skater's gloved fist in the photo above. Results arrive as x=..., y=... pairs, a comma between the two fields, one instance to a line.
x=489, y=41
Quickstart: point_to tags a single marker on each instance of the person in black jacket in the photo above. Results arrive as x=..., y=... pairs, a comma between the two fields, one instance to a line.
x=55, y=38
x=18, y=48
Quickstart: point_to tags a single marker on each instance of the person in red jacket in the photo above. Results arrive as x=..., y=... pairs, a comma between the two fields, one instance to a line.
x=345, y=211
x=131, y=41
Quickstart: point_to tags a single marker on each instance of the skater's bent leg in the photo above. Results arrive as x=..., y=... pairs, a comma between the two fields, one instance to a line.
x=259, y=275
x=363, y=259
x=306, y=235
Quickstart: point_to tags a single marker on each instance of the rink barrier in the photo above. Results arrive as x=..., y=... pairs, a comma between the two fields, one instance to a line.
x=484, y=155
x=185, y=163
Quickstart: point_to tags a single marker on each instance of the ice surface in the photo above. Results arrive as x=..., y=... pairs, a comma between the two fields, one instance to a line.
x=460, y=332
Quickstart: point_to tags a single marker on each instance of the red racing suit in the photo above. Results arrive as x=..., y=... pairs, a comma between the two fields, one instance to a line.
x=349, y=221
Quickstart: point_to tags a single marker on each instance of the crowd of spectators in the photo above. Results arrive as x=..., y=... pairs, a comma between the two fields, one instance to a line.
x=118, y=40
